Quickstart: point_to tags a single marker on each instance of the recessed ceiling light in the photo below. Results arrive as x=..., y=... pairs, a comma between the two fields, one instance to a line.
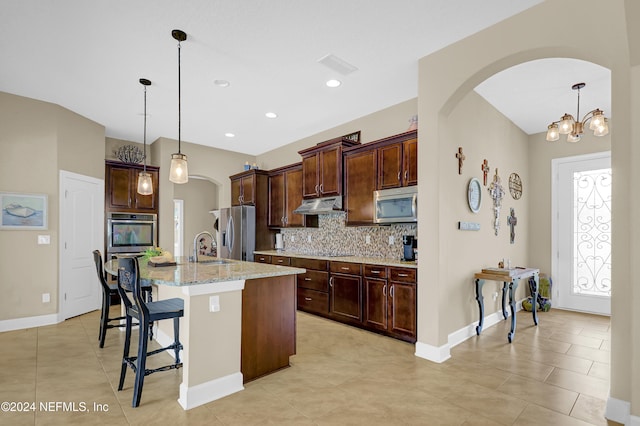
x=221, y=83
x=230, y=135
x=271, y=115
x=333, y=83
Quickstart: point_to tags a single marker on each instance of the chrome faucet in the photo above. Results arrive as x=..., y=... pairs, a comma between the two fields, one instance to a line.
x=195, y=243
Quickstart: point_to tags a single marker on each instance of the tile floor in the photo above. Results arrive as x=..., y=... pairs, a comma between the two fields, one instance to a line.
x=555, y=374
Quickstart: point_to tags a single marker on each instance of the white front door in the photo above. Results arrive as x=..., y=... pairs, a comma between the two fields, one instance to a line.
x=582, y=265
x=81, y=232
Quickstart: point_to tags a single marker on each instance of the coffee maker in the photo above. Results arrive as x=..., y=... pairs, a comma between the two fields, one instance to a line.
x=409, y=243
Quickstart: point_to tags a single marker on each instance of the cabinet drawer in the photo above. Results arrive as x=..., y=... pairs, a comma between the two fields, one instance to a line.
x=317, y=264
x=263, y=258
x=346, y=268
x=374, y=271
x=313, y=301
x=314, y=280
x=280, y=260
x=404, y=275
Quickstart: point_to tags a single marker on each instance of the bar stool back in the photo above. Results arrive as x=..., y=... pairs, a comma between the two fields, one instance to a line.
x=146, y=313
x=108, y=290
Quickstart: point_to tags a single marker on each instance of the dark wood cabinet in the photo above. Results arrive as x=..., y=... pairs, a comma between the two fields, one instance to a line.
x=398, y=161
x=121, y=191
x=360, y=170
x=313, y=285
x=322, y=168
x=244, y=187
x=345, y=291
x=390, y=301
x=251, y=188
x=285, y=195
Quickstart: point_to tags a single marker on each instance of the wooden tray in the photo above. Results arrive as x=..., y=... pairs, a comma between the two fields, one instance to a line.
x=155, y=265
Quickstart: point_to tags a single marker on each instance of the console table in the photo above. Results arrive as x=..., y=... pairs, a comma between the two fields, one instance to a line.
x=510, y=279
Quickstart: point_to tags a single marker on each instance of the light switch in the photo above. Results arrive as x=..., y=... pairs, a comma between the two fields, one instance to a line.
x=468, y=226
x=214, y=303
x=44, y=239
x=392, y=240
x=367, y=239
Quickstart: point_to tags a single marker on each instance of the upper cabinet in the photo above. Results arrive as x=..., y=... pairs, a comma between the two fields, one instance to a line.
x=322, y=168
x=121, y=192
x=398, y=161
x=360, y=170
x=244, y=187
x=285, y=195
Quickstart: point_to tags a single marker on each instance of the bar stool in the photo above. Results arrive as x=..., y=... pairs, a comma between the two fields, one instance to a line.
x=146, y=313
x=108, y=290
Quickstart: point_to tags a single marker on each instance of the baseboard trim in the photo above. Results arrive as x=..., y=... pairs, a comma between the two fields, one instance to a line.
x=194, y=396
x=442, y=353
x=29, y=322
x=620, y=411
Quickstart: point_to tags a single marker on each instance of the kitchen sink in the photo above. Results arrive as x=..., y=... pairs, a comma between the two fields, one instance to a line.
x=215, y=261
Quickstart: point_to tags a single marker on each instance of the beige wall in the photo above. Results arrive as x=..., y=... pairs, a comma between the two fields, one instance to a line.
x=446, y=76
x=200, y=197
x=38, y=140
x=386, y=122
x=484, y=134
x=212, y=164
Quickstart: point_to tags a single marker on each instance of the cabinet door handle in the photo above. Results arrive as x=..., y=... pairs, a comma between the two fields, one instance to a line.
x=403, y=275
x=384, y=290
x=344, y=268
x=280, y=261
x=399, y=176
x=375, y=272
x=307, y=279
x=308, y=299
x=316, y=188
x=286, y=220
x=331, y=281
x=391, y=291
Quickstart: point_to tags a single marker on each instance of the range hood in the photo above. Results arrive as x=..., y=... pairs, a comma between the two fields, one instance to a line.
x=320, y=206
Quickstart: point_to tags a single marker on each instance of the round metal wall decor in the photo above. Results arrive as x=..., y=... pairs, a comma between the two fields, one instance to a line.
x=515, y=186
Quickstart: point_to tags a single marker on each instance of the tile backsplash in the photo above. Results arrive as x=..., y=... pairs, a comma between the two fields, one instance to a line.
x=333, y=236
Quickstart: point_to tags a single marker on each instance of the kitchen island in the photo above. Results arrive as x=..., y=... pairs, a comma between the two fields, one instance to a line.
x=239, y=322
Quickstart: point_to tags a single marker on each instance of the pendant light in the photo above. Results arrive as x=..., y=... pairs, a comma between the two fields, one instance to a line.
x=179, y=172
x=145, y=184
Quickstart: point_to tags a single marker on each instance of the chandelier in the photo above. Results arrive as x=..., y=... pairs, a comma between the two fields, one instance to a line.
x=573, y=128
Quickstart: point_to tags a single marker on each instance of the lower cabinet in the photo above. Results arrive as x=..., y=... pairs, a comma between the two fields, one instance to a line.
x=345, y=290
x=390, y=301
x=313, y=285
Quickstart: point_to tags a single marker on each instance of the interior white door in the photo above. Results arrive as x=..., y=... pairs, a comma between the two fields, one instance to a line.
x=81, y=232
x=583, y=233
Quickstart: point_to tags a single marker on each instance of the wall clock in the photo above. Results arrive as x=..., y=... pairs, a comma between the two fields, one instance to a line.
x=515, y=186
x=474, y=195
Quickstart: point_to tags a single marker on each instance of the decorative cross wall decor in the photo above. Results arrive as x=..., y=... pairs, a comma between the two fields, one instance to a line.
x=512, y=220
x=497, y=192
x=485, y=170
x=460, y=156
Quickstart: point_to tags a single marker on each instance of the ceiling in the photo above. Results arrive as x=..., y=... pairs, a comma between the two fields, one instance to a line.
x=88, y=56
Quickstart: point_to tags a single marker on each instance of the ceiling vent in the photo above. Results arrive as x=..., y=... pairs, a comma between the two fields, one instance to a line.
x=338, y=65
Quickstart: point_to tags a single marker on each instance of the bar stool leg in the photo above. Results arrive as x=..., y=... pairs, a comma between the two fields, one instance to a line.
x=125, y=354
x=141, y=364
x=104, y=318
x=176, y=338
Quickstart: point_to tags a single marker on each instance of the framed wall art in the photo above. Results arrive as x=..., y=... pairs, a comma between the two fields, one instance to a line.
x=23, y=211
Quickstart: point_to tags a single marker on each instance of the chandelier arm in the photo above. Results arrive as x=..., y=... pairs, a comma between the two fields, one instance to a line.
x=589, y=115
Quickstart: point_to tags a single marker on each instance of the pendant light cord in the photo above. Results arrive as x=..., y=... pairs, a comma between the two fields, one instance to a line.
x=179, y=106
x=144, y=138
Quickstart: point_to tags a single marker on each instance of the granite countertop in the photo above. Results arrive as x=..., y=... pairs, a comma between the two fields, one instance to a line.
x=188, y=273
x=353, y=259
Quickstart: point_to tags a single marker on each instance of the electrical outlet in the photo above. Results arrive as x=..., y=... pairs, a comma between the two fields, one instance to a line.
x=392, y=240
x=309, y=238
x=292, y=238
x=46, y=297
x=495, y=296
x=214, y=303
x=367, y=239
x=44, y=239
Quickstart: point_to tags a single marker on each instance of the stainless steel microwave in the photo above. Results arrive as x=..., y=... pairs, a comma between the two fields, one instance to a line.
x=396, y=205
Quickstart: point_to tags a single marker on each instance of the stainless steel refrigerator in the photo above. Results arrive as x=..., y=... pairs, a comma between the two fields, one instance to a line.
x=237, y=227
